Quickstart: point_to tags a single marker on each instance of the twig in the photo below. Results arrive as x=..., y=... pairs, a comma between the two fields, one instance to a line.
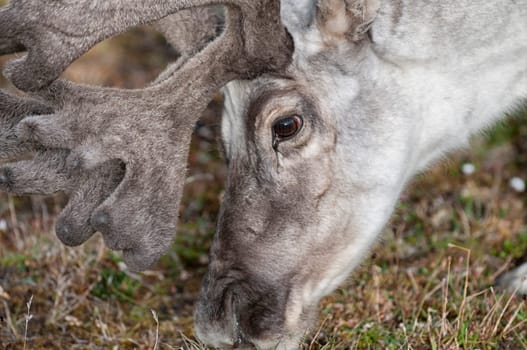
x=505, y=266
x=9, y=320
x=509, y=324
x=28, y=317
x=154, y=314
x=490, y=314
x=465, y=288
x=445, y=299
x=317, y=334
x=14, y=221
x=521, y=324
x=498, y=321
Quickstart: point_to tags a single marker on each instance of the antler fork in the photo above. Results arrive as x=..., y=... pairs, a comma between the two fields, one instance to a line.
x=188, y=31
x=147, y=131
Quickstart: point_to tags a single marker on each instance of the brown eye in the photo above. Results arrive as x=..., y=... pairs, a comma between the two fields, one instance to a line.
x=287, y=127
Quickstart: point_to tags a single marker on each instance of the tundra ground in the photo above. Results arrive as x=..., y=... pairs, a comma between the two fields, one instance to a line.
x=428, y=285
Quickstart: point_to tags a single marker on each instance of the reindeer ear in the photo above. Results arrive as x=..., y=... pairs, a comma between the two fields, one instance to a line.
x=348, y=20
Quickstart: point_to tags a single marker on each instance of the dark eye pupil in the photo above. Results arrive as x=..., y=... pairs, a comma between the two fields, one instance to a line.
x=287, y=127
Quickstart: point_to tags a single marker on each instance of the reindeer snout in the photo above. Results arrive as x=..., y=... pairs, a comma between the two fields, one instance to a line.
x=217, y=319
x=239, y=314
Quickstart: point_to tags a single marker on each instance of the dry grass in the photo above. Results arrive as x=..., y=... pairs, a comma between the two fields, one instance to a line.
x=427, y=286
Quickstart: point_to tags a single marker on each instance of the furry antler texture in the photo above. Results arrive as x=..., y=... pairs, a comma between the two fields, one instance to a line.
x=12, y=110
x=119, y=154
x=47, y=172
x=188, y=31
x=55, y=33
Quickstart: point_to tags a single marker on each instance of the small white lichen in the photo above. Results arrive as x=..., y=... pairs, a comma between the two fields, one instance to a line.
x=517, y=184
x=468, y=168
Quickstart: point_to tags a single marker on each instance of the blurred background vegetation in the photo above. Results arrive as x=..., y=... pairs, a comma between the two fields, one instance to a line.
x=427, y=286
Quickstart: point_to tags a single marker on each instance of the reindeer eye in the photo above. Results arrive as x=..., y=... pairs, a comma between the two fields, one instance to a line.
x=287, y=127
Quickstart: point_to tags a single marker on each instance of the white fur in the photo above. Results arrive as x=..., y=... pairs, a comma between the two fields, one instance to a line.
x=434, y=74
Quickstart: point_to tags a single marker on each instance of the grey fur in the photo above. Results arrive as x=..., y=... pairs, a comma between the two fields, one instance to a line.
x=55, y=33
x=188, y=31
x=93, y=129
x=378, y=106
x=47, y=172
x=12, y=110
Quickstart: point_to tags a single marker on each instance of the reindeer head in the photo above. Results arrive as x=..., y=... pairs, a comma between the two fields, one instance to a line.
x=315, y=167
x=315, y=163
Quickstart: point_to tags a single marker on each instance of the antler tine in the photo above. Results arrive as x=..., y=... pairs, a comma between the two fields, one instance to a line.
x=149, y=130
x=46, y=173
x=12, y=110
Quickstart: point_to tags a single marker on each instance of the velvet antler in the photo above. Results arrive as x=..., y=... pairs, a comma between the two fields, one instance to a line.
x=188, y=31
x=55, y=33
x=93, y=129
x=48, y=173
x=12, y=110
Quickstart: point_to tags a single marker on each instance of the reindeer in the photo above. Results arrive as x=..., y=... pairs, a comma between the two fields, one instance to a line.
x=317, y=158
x=331, y=106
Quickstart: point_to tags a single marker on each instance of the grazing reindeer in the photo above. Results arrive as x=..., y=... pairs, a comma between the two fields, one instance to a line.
x=318, y=147
x=317, y=158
